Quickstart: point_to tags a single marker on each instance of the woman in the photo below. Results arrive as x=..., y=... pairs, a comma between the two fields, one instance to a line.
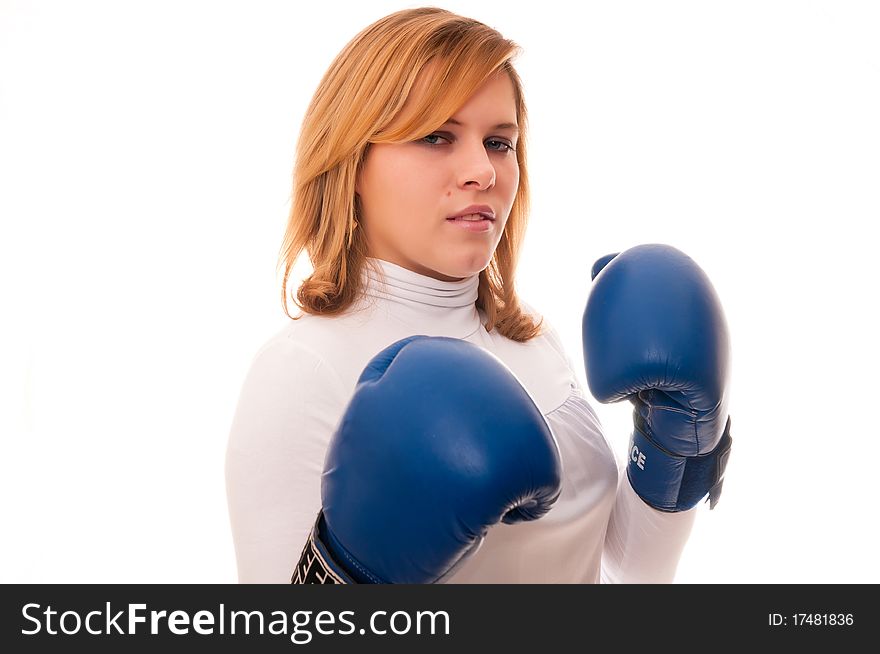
x=411, y=199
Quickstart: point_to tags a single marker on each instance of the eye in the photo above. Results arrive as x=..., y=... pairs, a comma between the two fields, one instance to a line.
x=500, y=146
x=433, y=136
x=506, y=147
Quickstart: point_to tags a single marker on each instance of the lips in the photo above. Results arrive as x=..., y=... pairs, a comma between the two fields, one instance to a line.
x=471, y=217
x=474, y=212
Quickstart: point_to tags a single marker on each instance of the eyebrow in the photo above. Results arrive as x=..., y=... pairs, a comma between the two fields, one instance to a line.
x=498, y=126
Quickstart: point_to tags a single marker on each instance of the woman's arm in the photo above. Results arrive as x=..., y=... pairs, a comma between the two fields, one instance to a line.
x=643, y=545
x=287, y=410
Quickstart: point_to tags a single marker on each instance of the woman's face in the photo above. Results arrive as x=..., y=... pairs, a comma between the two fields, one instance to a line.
x=408, y=191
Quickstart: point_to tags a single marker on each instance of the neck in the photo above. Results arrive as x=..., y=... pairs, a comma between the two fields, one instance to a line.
x=427, y=304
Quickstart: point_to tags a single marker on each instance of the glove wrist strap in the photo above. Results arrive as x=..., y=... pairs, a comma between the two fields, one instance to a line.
x=316, y=563
x=670, y=482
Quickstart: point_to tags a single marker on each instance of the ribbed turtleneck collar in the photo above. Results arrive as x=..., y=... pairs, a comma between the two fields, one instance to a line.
x=427, y=305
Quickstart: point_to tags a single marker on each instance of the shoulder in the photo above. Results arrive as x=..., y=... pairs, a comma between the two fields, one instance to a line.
x=538, y=363
x=552, y=344
x=293, y=358
x=548, y=335
x=323, y=334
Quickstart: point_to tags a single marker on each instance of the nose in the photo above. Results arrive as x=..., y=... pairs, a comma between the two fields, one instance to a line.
x=474, y=167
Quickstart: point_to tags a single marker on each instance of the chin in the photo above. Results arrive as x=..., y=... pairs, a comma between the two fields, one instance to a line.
x=461, y=269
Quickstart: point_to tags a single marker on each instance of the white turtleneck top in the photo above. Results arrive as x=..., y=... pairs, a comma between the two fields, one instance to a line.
x=301, y=380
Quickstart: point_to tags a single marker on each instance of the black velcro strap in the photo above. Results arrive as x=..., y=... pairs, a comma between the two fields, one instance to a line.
x=316, y=566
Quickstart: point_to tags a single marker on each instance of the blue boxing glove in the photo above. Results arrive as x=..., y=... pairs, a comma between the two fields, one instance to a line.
x=438, y=443
x=654, y=333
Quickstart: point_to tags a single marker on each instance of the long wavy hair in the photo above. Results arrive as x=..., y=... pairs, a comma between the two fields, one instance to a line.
x=360, y=101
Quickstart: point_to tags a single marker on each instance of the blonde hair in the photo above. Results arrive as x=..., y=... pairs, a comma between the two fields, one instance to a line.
x=359, y=101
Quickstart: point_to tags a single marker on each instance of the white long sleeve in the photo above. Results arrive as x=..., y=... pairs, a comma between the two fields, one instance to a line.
x=282, y=426
x=301, y=381
x=643, y=545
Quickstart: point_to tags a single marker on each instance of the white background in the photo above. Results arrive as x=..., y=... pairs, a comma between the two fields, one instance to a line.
x=146, y=150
